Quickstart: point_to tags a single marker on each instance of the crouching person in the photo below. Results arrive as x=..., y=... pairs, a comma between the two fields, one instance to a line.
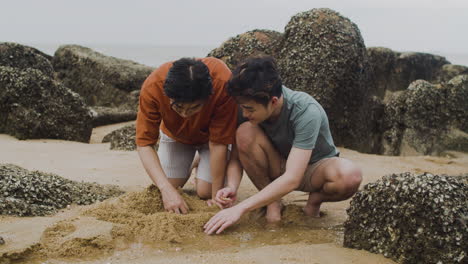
x=284, y=144
x=185, y=103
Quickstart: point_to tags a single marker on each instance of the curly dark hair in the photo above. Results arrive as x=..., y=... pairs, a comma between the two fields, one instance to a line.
x=188, y=80
x=257, y=78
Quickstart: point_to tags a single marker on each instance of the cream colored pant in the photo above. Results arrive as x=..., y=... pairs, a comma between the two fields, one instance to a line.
x=176, y=158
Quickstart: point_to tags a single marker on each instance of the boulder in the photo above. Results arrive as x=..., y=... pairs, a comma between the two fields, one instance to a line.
x=323, y=54
x=18, y=56
x=101, y=80
x=449, y=71
x=34, y=105
x=257, y=42
x=427, y=119
x=411, y=218
x=393, y=71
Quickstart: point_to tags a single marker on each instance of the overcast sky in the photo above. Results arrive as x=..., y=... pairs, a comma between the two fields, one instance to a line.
x=411, y=25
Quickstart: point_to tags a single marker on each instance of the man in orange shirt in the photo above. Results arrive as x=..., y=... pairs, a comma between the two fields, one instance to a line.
x=186, y=104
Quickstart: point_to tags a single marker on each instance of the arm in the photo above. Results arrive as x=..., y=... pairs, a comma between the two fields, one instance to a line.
x=295, y=167
x=152, y=165
x=234, y=170
x=218, y=164
x=228, y=195
x=147, y=132
x=172, y=200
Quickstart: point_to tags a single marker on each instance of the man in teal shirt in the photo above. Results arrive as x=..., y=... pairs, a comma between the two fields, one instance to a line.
x=286, y=145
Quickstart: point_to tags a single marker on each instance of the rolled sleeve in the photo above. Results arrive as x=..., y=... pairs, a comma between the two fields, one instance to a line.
x=148, y=119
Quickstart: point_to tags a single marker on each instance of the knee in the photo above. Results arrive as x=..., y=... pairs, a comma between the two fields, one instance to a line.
x=204, y=193
x=351, y=180
x=245, y=136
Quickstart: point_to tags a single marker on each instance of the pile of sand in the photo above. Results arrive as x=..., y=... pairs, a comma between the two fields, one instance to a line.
x=65, y=239
x=141, y=217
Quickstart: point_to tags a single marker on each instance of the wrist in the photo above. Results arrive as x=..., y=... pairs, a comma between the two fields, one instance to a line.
x=165, y=189
x=242, y=208
x=232, y=187
x=215, y=188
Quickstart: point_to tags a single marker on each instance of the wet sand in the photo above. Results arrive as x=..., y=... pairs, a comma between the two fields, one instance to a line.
x=129, y=230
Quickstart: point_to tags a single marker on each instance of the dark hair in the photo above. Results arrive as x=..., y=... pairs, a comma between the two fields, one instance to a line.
x=257, y=79
x=188, y=80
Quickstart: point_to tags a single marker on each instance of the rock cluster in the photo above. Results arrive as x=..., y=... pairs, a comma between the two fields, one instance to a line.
x=49, y=97
x=35, y=193
x=411, y=218
x=323, y=53
x=427, y=118
x=394, y=71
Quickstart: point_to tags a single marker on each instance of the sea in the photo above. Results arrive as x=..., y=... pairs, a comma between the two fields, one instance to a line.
x=155, y=55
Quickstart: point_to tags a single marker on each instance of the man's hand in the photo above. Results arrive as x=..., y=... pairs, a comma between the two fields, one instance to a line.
x=211, y=202
x=226, y=197
x=222, y=220
x=173, y=202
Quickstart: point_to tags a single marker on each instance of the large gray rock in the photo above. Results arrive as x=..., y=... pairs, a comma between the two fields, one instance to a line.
x=393, y=71
x=34, y=105
x=252, y=43
x=448, y=71
x=20, y=56
x=101, y=80
x=411, y=218
x=427, y=119
x=323, y=54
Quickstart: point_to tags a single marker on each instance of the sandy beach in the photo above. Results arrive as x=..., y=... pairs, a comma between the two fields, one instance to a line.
x=76, y=235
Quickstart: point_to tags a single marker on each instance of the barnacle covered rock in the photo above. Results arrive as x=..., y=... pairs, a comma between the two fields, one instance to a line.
x=19, y=56
x=449, y=71
x=122, y=138
x=323, y=54
x=252, y=43
x=34, y=105
x=427, y=118
x=34, y=193
x=394, y=71
x=411, y=218
x=101, y=80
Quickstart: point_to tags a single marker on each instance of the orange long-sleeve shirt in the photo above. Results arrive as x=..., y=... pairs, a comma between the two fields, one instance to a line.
x=215, y=122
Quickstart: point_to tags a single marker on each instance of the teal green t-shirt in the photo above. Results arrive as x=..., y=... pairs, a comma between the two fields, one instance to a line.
x=302, y=124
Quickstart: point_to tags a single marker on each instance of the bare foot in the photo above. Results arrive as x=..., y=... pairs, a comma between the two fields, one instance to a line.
x=312, y=211
x=273, y=212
